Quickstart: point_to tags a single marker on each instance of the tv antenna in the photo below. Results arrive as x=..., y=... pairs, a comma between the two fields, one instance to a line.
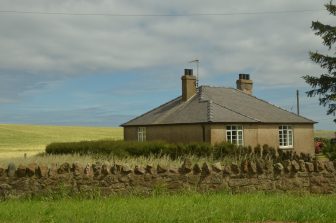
x=197, y=67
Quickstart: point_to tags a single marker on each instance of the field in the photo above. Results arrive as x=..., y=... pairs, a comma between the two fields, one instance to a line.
x=325, y=134
x=15, y=140
x=187, y=206
x=183, y=207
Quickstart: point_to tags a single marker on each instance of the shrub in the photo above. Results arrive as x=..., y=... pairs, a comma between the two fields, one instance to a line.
x=125, y=148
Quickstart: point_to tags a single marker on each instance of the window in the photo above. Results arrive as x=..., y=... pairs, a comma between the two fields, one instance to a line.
x=234, y=134
x=285, y=136
x=142, y=134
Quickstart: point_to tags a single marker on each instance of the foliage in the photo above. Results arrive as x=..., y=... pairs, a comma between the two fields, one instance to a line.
x=121, y=148
x=324, y=86
x=178, y=207
x=159, y=149
x=328, y=148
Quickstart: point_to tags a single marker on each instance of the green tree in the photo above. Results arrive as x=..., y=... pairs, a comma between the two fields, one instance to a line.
x=324, y=85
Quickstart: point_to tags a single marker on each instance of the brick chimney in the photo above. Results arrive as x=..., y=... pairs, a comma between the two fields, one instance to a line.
x=245, y=84
x=188, y=84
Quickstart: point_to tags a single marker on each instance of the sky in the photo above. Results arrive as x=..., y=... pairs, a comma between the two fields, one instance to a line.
x=102, y=62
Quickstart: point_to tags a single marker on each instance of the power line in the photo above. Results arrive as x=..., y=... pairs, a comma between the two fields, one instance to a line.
x=160, y=15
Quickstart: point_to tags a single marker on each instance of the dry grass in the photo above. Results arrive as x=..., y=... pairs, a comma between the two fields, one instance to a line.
x=324, y=134
x=85, y=159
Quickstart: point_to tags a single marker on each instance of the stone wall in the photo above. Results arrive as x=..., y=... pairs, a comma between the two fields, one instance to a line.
x=311, y=177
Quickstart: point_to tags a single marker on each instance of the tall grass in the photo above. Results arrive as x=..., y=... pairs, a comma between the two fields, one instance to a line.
x=183, y=207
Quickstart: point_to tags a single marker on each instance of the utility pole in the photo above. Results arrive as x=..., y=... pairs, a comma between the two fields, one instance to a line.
x=297, y=102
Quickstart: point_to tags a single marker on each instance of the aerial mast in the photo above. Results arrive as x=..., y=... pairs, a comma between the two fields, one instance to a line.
x=197, y=67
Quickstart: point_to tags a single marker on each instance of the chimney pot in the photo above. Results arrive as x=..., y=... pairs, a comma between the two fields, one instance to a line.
x=245, y=84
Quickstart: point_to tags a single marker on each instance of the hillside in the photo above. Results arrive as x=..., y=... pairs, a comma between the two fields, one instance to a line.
x=34, y=138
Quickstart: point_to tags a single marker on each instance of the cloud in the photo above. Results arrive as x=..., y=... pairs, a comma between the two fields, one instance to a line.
x=39, y=51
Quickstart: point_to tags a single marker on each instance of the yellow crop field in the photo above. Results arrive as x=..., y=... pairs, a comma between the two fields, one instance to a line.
x=15, y=140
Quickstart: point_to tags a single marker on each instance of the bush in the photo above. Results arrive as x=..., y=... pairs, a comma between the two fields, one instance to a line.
x=125, y=148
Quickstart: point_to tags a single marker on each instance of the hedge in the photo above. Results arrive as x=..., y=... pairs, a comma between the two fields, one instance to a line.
x=156, y=148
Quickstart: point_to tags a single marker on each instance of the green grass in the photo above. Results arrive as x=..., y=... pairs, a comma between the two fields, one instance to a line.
x=185, y=207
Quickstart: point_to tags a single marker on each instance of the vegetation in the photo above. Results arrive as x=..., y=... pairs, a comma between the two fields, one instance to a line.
x=183, y=207
x=158, y=149
x=328, y=134
x=324, y=86
x=19, y=139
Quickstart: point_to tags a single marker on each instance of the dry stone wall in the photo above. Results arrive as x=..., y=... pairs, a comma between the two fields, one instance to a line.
x=264, y=175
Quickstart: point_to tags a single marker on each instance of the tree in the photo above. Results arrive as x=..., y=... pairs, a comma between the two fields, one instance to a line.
x=324, y=86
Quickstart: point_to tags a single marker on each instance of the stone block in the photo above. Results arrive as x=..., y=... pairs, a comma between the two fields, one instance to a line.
x=96, y=168
x=295, y=166
x=309, y=167
x=11, y=170
x=196, y=169
x=161, y=169
x=105, y=169
x=244, y=166
x=260, y=166
x=77, y=169
x=235, y=168
x=226, y=170
x=21, y=171
x=138, y=170
x=287, y=166
x=252, y=167
x=278, y=167
x=88, y=170
x=302, y=166
x=2, y=172
x=31, y=168
x=217, y=167
x=42, y=170
x=173, y=170
x=329, y=166
x=149, y=169
x=205, y=169
x=186, y=166
x=269, y=166
x=64, y=168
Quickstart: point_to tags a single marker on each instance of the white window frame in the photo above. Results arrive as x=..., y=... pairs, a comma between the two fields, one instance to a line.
x=286, y=137
x=235, y=134
x=141, y=134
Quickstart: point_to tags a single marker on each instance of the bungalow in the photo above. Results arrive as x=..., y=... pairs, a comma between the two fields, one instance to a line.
x=217, y=114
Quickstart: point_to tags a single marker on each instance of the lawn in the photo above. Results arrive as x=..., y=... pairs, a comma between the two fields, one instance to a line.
x=31, y=139
x=183, y=207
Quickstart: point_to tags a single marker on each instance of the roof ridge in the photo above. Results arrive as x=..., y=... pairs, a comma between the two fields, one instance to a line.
x=272, y=104
x=210, y=111
x=175, y=99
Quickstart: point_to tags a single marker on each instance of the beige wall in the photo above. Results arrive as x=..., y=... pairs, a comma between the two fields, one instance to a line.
x=172, y=133
x=269, y=134
x=254, y=134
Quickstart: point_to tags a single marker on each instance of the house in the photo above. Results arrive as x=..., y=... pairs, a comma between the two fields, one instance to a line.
x=217, y=114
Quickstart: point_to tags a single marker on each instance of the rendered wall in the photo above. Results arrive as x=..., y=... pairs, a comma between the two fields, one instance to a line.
x=171, y=133
x=269, y=134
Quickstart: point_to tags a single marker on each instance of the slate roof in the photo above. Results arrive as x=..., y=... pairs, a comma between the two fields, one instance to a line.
x=217, y=105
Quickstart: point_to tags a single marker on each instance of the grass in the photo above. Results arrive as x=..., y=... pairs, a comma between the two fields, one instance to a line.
x=183, y=207
x=15, y=140
x=328, y=134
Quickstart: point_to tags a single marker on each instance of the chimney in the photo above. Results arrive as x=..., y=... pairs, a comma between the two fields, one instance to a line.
x=245, y=84
x=188, y=84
